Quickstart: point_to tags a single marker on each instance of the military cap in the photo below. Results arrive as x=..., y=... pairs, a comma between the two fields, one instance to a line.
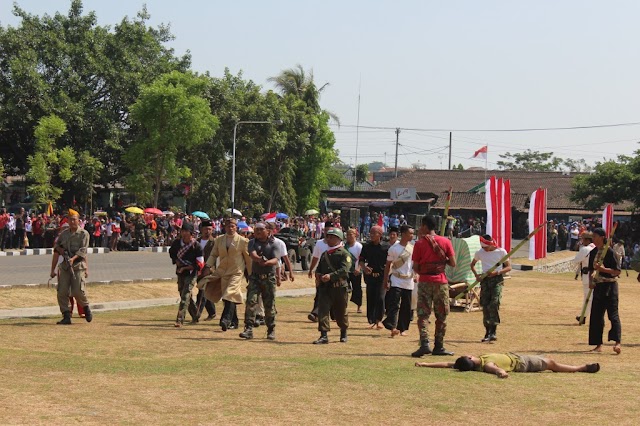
x=337, y=232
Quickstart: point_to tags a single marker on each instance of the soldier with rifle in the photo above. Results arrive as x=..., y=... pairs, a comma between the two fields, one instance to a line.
x=72, y=245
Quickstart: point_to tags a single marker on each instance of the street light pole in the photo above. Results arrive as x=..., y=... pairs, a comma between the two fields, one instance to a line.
x=233, y=161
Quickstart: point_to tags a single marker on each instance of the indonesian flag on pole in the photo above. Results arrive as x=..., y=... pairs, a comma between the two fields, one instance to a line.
x=271, y=217
x=498, y=202
x=481, y=153
x=607, y=219
x=537, y=216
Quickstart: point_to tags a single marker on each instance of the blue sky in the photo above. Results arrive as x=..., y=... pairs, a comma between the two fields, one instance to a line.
x=426, y=65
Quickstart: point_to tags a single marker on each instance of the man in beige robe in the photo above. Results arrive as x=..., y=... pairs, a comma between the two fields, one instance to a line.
x=226, y=279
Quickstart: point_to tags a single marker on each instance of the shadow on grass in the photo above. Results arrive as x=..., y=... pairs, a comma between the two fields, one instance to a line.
x=255, y=340
x=124, y=324
x=27, y=324
x=575, y=324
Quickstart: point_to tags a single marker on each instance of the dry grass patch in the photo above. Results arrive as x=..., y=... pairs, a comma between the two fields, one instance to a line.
x=134, y=367
x=551, y=258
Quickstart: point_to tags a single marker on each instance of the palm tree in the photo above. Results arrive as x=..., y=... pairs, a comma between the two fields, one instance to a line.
x=295, y=81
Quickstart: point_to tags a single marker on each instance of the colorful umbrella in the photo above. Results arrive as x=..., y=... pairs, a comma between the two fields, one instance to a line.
x=99, y=213
x=311, y=212
x=201, y=215
x=282, y=216
x=134, y=210
x=153, y=210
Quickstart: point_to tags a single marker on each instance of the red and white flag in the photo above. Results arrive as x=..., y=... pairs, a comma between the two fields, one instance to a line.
x=607, y=219
x=498, y=201
x=481, y=153
x=537, y=216
x=271, y=217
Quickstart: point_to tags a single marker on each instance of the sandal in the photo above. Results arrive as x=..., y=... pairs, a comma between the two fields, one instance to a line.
x=617, y=349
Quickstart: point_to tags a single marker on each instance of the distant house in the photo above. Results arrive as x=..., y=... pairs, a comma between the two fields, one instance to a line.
x=468, y=199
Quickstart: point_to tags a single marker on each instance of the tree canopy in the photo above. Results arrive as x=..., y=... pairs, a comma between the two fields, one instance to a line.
x=611, y=182
x=134, y=113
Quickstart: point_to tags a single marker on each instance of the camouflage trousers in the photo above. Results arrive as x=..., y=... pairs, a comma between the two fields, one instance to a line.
x=185, y=286
x=490, y=296
x=433, y=297
x=265, y=286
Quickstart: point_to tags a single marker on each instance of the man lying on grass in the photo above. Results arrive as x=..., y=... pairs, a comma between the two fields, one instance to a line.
x=502, y=364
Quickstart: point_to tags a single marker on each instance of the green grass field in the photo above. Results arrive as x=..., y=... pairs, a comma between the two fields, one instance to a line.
x=134, y=367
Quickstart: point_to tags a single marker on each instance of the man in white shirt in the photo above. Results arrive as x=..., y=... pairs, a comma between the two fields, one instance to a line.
x=398, y=281
x=491, y=286
x=355, y=278
x=582, y=259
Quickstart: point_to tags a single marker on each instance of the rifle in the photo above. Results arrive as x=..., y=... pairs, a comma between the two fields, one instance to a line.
x=67, y=260
x=501, y=261
x=603, y=253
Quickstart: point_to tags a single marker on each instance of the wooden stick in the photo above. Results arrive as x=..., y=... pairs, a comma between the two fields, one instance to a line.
x=447, y=203
x=603, y=253
x=504, y=259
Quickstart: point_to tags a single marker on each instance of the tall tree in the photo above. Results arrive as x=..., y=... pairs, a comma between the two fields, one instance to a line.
x=611, y=182
x=173, y=118
x=49, y=162
x=314, y=164
x=533, y=161
x=86, y=74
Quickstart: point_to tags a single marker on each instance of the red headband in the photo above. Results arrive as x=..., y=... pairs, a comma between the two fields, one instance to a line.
x=489, y=243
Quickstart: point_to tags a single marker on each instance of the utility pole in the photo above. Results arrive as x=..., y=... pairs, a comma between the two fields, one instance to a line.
x=397, y=143
x=450, y=150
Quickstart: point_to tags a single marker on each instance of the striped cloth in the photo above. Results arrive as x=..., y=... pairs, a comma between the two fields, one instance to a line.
x=465, y=249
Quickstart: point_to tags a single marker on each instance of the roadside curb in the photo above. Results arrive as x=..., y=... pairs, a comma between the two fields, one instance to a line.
x=91, y=283
x=49, y=311
x=45, y=251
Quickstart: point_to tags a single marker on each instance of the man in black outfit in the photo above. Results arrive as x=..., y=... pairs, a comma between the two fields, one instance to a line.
x=605, y=293
x=373, y=259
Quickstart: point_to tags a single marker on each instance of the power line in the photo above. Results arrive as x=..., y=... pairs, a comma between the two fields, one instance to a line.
x=531, y=129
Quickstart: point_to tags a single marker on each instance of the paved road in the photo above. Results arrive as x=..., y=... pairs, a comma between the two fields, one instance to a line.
x=115, y=266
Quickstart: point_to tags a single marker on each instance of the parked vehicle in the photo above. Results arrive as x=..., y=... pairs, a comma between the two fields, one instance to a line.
x=299, y=248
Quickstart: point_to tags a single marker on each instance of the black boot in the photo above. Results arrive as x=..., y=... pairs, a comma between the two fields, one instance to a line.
x=323, y=339
x=247, y=333
x=487, y=333
x=87, y=314
x=439, y=349
x=271, y=332
x=424, y=349
x=492, y=336
x=343, y=335
x=66, y=319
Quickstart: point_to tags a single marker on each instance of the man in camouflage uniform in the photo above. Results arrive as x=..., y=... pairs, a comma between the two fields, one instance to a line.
x=333, y=296
x=430, y=255
x=72, y=244
x=262, y=281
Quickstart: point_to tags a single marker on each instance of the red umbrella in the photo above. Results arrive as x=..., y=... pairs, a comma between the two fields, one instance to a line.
x=153, y=210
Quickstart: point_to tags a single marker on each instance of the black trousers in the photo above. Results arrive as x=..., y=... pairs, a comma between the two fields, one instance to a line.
x=605, y=299
x=398, y=309
x=203, y=303
x=375, y=299
x=356, y=288
x=229, y=314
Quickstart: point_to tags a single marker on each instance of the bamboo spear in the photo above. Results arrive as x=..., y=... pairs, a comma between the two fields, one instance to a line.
x=504, y=259
x=447, y=203
x=605, y=249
